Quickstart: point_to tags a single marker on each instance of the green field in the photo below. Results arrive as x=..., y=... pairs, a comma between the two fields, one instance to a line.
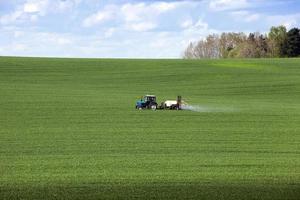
x=69, y=129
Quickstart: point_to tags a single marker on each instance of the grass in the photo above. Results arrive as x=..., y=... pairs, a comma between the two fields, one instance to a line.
x=69, y=130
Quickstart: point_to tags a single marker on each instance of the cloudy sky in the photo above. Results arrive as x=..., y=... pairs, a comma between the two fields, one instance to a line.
x=130, y=28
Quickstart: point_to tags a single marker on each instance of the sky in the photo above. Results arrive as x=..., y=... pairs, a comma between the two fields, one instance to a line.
x=130, y=28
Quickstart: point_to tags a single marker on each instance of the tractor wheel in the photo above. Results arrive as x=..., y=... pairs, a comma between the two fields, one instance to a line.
x=153, y=107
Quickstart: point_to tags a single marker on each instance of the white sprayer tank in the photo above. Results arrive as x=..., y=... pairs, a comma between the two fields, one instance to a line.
x=170, y=103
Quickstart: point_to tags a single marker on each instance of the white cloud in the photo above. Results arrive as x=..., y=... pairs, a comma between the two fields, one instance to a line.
x=64, y=5
x=165, y=6
x=252, y=17
x=132, y=16
x=33, y=43
x=99, y=17
x=144, y=17
x=18, y=34
x=110, y=42
x=137, y=29
x=290, y=21
x=31, y=10
x=33, y=18
x=142, y=26
x=109, y=32
x=135, y=44
x=39, y=7
x=187, y=23
x=221, y=5
x=18, y=47
x=133, y=12
x=63, y=41
x=246, y=16
x=53, y=38
x=200, y=25
x=139, y=11
x=11, y=17
x=193, y=31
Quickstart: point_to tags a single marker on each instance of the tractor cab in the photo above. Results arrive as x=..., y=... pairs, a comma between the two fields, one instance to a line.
x=147, y=102
x=150, y=98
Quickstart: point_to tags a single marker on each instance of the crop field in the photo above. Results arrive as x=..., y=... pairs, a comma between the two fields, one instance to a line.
x=69, y=129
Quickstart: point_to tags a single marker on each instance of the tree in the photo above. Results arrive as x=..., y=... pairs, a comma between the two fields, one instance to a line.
x=206, y=48
x=230, y=42
x=254, y=47
x=276, y=40
x=212, y=46
x=293, y=43
x=262, y=46
x=189, y=52
x=277, y=43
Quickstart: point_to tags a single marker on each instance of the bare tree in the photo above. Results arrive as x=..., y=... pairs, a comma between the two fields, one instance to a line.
x=212, y=45
x=206, y=48
x=189, y=52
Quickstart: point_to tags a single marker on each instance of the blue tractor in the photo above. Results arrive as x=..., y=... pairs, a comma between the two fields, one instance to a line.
x=147, y=102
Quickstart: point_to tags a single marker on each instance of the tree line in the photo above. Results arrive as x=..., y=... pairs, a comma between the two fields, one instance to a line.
x=277, y=43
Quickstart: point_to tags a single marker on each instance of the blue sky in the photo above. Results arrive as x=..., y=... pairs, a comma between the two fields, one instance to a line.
x=130, y=28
